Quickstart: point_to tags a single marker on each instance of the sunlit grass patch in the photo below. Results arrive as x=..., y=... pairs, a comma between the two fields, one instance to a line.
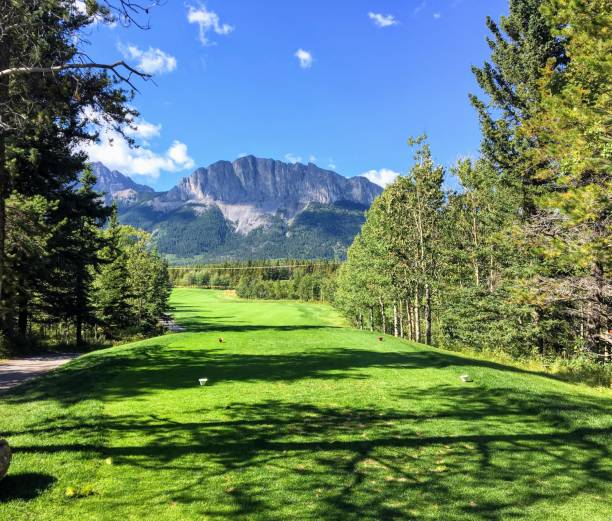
x=300, y=419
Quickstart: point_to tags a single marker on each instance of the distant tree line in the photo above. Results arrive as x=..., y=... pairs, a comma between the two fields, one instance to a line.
x=265, y=279
x=518, y=258
x=65, y=271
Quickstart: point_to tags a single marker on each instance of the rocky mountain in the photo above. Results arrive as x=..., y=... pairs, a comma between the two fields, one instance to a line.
x=248, y=208
x=118, y=187
x=249, y=191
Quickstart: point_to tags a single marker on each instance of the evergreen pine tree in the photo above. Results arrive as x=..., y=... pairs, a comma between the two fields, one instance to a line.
x=112, y=286
x=522, y=44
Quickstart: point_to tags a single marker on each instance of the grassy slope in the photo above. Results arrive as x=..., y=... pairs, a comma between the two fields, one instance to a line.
x=302, y=419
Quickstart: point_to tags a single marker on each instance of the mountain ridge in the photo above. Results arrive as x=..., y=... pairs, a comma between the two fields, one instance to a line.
x=116, y=186
x=250, y=207
x=249, y=190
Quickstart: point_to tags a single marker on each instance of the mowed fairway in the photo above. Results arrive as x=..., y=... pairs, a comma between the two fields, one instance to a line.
x=301, y=418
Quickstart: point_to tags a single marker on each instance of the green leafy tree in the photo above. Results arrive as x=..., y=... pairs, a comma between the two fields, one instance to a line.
x=149, y=281
x=76, y=250
x=50, y=94
x=27, y=241
x=521, y=44
x=571, y=159
x=111, y=291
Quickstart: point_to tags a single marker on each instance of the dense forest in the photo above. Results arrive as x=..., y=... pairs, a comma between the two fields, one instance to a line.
x=264, y=279
x=68, y=270
x=322, y=231
x=516, y=260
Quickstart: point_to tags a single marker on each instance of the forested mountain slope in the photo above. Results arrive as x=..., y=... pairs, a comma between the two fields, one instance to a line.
x=248, y=208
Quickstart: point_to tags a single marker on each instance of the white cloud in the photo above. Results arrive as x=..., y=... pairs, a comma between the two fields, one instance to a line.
x=178, y=153
x=143, y=130
x=207, y=21
x=113, y=150
x=292, y=158
x=151, y=61
x=312, y=158
x=305, y=58
x=80, y=7
x=382, y=20
x=382, y=177
x=437, y=16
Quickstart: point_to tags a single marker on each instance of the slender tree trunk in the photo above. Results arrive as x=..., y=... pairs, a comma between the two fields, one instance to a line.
x=22, y=317
x=595, y=306
x=427, y=314
x=360, y=320
x=383, y=317
x=417, y=318
x=79, y=329
x=4, y=92
x=80, y=299
x=395, y=320
x=371, y=318
x=475, y=256
x=410, y=324
x=401, y=318
x=3, y=194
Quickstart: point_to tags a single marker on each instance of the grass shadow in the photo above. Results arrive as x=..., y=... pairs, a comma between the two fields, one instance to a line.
x=141, y=370
x=24, y=486
x=366, y=459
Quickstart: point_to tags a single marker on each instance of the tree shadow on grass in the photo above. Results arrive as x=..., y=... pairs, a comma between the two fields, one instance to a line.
x=24, y=486
x=471, y=454
x=196, y=325
x=142, y=370
x=138, y=371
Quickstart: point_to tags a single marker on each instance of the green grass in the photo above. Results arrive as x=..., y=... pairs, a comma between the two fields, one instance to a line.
x=302, y=418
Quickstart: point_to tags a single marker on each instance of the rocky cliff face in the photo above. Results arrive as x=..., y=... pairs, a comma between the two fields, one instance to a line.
x=250, y=190
x=248, y=208
x=118, y=187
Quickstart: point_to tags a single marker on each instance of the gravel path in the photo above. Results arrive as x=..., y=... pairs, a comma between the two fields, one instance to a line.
x=16, y=371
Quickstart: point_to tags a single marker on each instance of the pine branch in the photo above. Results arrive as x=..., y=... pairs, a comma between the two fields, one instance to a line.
x=114, y=67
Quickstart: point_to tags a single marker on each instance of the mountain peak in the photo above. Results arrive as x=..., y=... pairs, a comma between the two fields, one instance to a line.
x=250, y=190
x=250, y=207
x=117, y=186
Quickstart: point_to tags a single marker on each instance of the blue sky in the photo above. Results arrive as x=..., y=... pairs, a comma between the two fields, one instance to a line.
x=340, y=83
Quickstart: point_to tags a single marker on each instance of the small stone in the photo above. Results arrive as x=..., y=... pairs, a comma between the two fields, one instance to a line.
x=466, y=378
x=5, y=457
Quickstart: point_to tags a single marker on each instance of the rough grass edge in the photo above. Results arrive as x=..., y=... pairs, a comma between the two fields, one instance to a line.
x=579, y=370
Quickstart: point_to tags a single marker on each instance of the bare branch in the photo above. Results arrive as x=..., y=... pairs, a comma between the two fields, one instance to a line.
x=14, y=71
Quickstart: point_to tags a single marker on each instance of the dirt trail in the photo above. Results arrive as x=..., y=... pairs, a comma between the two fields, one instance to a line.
x=16, y=371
